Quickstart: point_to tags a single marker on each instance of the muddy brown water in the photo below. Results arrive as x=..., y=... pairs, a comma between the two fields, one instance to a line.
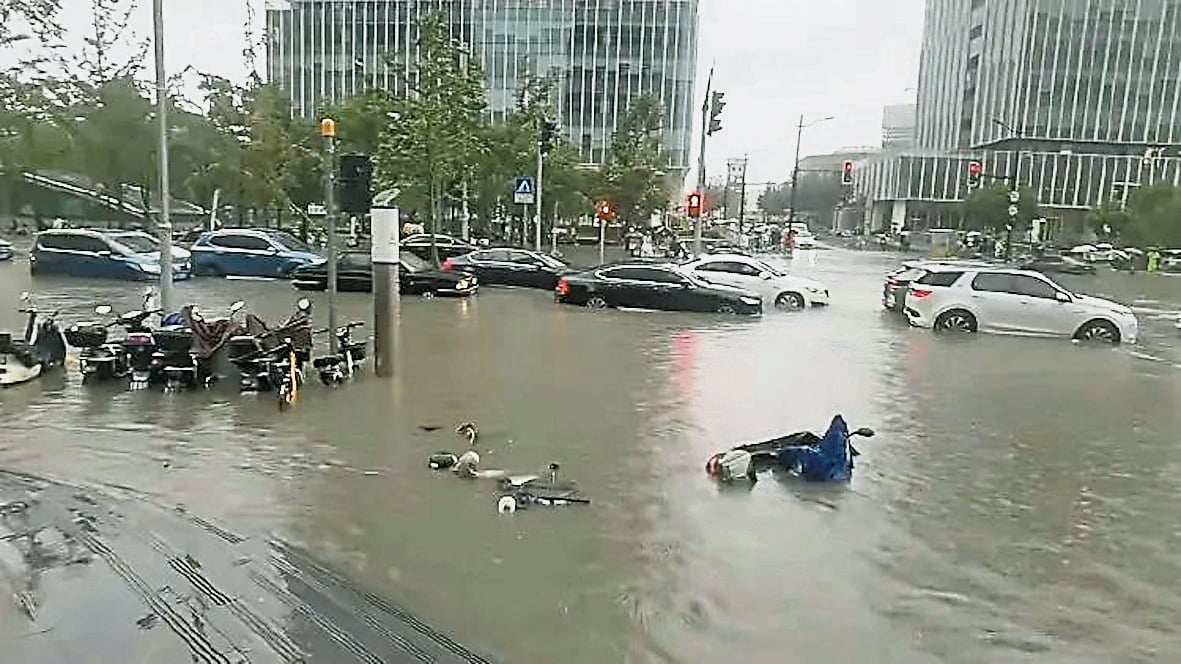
x=1017, y=503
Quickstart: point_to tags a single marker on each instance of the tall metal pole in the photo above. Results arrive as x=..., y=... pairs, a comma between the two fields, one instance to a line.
x=795, y=173
x=701, y=160
x=387, y=300
x=742, y=195
x=165, y=222
x=328, y=132
x=540, y=172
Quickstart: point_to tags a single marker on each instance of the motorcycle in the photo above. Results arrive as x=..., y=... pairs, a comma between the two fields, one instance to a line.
x=827, y=458
x=347, y=361
x=188, y=352
x=42, y=349
x=98, y=360
x=254, y=352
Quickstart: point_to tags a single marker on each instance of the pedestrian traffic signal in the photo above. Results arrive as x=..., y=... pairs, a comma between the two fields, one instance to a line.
x=693, y=206
x=716, y=104
x=356, y=191
x=847, y=173
x=975, y=173
x=549, y=131
x=604, y=211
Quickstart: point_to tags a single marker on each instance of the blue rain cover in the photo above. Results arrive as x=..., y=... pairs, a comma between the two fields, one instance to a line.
x=830, y=461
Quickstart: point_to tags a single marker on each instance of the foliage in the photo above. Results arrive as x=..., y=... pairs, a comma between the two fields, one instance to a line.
x=1155, y=217
x=635, y=179
x=1110, y=221
x=776, y=199
x=988, y=208
x=39, y=17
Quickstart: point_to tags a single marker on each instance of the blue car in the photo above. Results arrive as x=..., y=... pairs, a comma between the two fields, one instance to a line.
x=250, y=253
x=96, y=255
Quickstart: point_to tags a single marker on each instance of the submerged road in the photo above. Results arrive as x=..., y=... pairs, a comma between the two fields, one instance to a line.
x=1016, y=504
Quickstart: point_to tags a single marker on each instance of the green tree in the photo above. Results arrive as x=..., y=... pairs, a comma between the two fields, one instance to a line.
x=988, y=208
x=1110, y=221
x=25, y=19
x=634, y=178
x=776, y=199
x=1156, y=216
x=437, y=134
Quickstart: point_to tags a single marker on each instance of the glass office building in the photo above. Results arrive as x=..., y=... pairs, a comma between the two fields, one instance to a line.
x=600, y=55
x=1076, y=99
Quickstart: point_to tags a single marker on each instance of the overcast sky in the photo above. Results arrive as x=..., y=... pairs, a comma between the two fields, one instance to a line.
x=775, y=59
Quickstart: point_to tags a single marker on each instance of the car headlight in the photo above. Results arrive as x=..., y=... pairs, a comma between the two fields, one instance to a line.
x=750, y=300
x=814, y=289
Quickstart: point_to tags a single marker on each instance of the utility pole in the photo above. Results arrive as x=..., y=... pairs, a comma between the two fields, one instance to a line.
x=165, y=222
x=328, y=133
x=540, y=172
x=701, y=157
x=742, y=195
x=795, y=173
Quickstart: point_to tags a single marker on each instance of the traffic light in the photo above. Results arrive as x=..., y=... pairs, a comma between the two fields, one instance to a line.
x=549, y=131
x=975, y=173
x=716, y=104
x=355, y=175
x=604, y=211
x=693, y=206
x=847, y=173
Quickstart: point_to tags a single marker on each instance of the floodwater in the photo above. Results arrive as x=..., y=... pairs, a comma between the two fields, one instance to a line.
x=1016, y=505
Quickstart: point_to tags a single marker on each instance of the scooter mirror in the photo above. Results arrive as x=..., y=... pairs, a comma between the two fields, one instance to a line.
x=304, y=304
x=864, y=431
x=237, y=306
x=25, y=296
x=103, y=309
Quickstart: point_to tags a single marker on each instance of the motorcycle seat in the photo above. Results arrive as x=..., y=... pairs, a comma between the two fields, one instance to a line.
x=326, y=362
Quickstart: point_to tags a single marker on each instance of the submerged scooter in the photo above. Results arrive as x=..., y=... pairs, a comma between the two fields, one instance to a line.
x=827, y=458
x=42, y=349
x=254, y=352
x=350, y=356
x=188, y=352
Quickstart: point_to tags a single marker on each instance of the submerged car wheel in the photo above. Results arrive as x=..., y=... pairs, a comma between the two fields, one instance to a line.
x=596, y=302
x=789, y=302
x=956, y=320
x=1099, y=331
x=727, y=309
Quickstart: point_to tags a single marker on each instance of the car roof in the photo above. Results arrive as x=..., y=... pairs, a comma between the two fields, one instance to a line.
x=72, y=231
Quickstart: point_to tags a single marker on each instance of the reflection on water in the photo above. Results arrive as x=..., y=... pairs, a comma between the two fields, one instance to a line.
x=1015, y=504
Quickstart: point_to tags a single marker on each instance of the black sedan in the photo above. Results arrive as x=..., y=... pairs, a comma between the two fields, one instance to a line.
x=354, y=273
x=448, y=247
x=653, y=286
x=510, y=267
x=1059, y=264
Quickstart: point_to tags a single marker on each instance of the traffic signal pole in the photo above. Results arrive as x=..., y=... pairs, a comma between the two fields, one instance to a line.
x=328, y=132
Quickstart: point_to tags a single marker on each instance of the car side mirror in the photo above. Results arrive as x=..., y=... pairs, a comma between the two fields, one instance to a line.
x=1063, y=297
x=103, y=309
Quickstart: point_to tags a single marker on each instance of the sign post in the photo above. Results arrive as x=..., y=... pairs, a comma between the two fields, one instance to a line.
x=525, y=194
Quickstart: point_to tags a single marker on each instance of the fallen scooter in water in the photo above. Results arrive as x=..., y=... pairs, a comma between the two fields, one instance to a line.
x=42, y=349
x=827, y=458
x=516, y=491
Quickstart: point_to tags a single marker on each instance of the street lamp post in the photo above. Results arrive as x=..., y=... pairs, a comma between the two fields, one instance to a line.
x=795, y=173
x=165, y=222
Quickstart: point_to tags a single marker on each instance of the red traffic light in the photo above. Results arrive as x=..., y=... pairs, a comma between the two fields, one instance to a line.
x=693, y=206
x=847, y=172
x=975, y=171
x=603, y=211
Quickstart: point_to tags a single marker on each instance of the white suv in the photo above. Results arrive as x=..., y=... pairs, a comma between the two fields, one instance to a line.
x=1009, y=300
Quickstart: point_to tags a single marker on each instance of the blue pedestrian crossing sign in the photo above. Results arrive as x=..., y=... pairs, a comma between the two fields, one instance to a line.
x=524, y=190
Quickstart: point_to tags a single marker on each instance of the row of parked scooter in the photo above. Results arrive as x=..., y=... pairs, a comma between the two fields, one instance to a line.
x=187, y=350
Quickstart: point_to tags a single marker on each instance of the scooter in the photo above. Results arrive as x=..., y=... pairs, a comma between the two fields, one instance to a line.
x=188, y=353
x=286, y=374
x=42, y=349
x=348, y=360
x=98, y=360
x=827, y=458
x=253, y=353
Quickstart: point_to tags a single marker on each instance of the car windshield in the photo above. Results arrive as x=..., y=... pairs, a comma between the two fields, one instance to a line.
x=137, y=243
x=767, y=267
x=413, y=263
x=290, y=242
x=551, y=261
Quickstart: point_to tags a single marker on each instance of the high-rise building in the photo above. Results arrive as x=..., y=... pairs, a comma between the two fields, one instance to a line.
x=1077, y=100
x=600, y=55
x=1087, y=74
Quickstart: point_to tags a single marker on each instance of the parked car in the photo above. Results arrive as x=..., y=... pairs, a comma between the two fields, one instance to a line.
x=777, y=288
x=93, y=254
x=805, y=240
x=951, y=298
x=662, y=287
x=354, y=273
x=1060, y=264
x=448, y=246
x=5, y=250
x=510, y=267
x=143, y=242
x=250, y=252
x=898, y=281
